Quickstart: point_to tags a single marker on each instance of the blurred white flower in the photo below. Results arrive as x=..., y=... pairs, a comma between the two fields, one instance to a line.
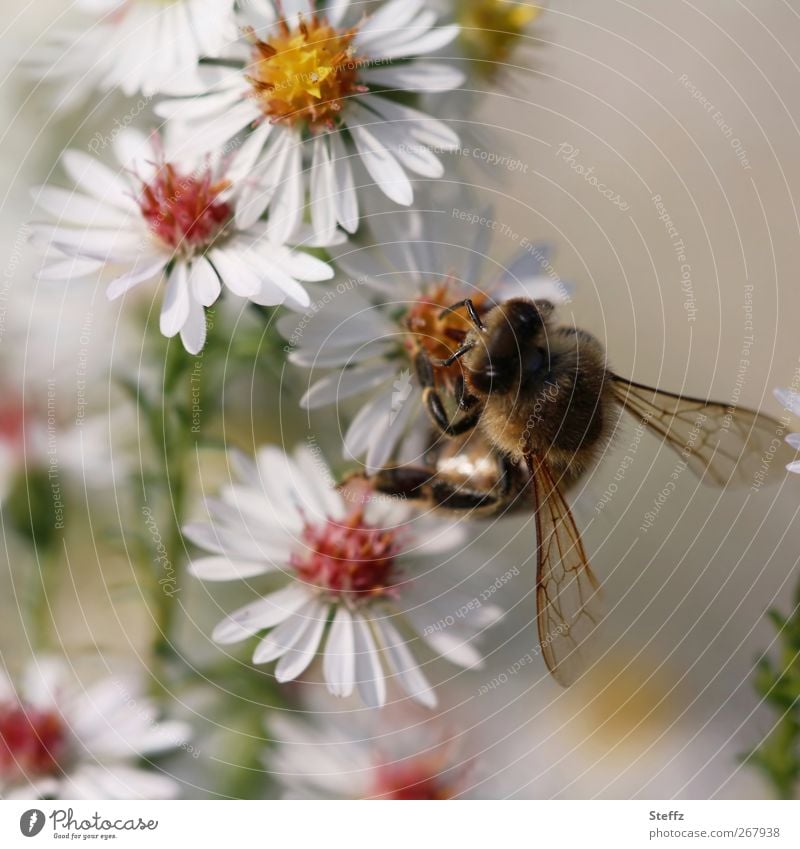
x=791, y=402
x=369, y=328
x=134, y=45
x=157, y=219
x=302, y=81
x=355, y=578
x=63, y=741
x=387, y=761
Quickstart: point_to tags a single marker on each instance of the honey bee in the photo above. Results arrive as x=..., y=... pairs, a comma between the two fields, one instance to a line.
x=533, y=407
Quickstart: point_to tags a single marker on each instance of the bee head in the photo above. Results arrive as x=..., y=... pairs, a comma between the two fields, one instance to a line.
x=512, y=351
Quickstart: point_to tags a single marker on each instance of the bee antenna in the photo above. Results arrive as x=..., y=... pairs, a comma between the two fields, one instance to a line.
x=471, y=311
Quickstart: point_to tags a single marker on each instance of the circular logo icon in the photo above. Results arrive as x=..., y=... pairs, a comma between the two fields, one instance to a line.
x=31, y=822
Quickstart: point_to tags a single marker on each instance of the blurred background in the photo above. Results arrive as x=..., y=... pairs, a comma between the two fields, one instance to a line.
x=681, y=111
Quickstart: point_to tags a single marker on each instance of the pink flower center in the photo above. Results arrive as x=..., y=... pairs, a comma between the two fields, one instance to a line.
x=32, y=741
x=419, y=779
x=349, y=559
x=12, y=424
x=184, y=211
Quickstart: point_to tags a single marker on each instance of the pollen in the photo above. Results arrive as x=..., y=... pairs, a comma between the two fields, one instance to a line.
x=302, y=75
x=349, y=559
x=441, y=334
x=490, y=29
x=184, y=211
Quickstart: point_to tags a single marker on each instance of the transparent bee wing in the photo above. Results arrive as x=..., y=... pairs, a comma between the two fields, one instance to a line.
x=567, y=593
x=722, y=444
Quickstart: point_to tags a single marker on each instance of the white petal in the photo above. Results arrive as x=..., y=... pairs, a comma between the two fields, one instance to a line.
x=454, y=647
x=236, y=274
x=175, y=309
x=296, y=659
x=415, y=76
x=287, y=634
x=266, y=612
x=339, y=664
x=204, y=283
x=193, y=332
x=140, y=273
x=369, y=674
x=226, y=569
x=788, y=399
x=382, y=166
x=347, y=205
x=344, y=384
x=390, y=17
x=67, y=269
x=286, y=208
x=75, y=208
x=97, y=180
x=323, y=192
x=793, y=439
x=425, y=129
x=403, y=663
x=419, y=41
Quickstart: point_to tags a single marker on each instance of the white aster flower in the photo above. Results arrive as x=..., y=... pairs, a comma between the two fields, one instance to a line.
x=59, y=740
x=790, y=399
x=138, y=46
x=408, y=759
x=365, y=334
x=320, y=82
x=156, y=219
x=352, y=586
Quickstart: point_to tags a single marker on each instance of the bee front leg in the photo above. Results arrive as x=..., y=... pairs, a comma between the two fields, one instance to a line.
x=412, y=482
x=434, y=404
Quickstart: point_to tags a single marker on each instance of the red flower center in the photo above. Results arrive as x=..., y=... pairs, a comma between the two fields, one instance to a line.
x=419, y=779
x=12, y=424
x=184, y=211
x=349, y=559
x=32, y=741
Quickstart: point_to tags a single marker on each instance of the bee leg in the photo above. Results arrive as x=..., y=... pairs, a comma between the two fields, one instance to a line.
x=411, y=482
x=464, y=399
x=458, y=498
x=438, y=414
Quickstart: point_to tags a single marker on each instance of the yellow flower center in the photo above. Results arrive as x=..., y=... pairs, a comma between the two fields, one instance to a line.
x=491, y=28
x=302, y=75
